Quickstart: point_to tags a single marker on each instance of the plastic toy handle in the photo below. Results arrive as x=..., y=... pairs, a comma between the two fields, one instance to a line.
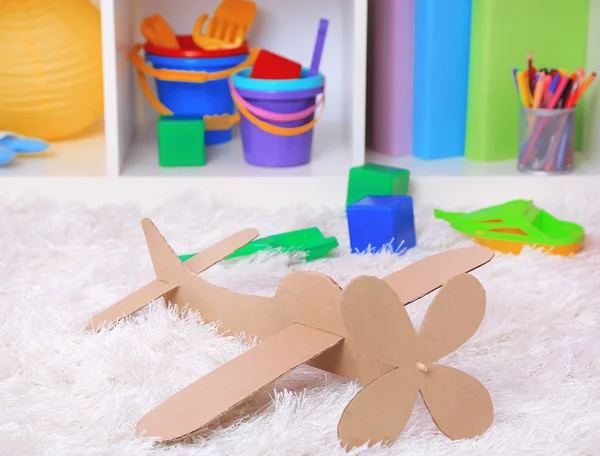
x=275, y=130
x=274, y=116
x=186, y=76
x=198, y=28
x=223, y=122
x=158, y=32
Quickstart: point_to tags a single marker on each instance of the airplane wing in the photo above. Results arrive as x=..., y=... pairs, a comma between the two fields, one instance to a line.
x=132, y=303
x=219, y=251
x=205, y=400
x=423, y=277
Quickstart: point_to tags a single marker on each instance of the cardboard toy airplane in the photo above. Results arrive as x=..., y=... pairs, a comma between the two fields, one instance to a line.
x=362, y=333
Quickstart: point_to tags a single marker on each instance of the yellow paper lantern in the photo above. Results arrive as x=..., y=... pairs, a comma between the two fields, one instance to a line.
x=50, y=67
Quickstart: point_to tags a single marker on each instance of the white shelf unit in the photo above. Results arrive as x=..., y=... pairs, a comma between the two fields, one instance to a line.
x=287, y=27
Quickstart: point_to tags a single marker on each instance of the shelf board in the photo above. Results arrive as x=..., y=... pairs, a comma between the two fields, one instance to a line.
x=332, y=157
x=585, y=165
x=81, y=157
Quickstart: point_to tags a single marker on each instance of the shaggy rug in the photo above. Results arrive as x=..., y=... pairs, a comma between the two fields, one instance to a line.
x=66, y=392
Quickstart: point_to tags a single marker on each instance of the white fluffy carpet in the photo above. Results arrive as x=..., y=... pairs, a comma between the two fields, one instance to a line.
x=65, y=392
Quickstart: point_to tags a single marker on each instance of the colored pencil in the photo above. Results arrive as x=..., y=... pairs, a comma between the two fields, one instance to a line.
x=552, y=89
x=531, y=71
x=585, y=86
x=562, y=84
x=564, y=95
x=547, y=94
x=539, y=91
x=572, y=93
x=524, y=90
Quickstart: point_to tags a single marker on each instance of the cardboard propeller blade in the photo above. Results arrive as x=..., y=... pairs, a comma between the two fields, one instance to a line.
x=131, y=304
x=377, y=323
x=453, y=317
x=219, y=251
x=204, y=401
x=459, y=404
x=379, y=412
x=424, y=276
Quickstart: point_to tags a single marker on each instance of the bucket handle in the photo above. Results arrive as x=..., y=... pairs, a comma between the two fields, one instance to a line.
x=274, y=116
x=274, y=129
x=186, y=76
x=221, y=122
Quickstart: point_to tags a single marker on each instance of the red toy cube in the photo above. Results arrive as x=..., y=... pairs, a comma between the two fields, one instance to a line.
x=272, y=66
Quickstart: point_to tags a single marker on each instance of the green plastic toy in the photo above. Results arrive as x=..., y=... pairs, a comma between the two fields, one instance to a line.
x=180, y=141
x=510, y=226
x=309, y=240
x=376, y=180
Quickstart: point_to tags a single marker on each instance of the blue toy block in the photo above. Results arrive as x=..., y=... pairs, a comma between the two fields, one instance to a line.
x=376, y=222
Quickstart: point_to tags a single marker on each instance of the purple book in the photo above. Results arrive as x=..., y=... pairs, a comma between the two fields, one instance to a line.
x=391, y=75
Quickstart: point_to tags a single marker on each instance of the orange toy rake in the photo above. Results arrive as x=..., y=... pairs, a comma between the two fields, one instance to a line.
x=227, y=28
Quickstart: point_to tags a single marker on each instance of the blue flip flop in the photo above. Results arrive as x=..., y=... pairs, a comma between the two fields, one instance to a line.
x=22, y=145
x=6, y=155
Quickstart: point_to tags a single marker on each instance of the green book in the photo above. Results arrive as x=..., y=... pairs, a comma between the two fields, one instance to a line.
x=502, y=33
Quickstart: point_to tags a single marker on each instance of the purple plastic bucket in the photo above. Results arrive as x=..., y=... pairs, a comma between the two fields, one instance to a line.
x=262, y=148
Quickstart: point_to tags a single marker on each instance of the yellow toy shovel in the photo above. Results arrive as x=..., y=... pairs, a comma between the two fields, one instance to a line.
x=228, y=27
x=158, y=32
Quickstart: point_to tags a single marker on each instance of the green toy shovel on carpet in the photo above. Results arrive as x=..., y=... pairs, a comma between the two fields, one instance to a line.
x=310, y=240
x=510, y=226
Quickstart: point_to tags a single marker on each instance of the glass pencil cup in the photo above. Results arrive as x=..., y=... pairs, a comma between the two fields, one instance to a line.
x=546, y=140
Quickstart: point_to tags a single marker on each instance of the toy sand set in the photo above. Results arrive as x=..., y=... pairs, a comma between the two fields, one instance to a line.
x=212, y=79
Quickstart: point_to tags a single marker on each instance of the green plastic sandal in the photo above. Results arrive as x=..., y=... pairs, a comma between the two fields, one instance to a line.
x=510, y=226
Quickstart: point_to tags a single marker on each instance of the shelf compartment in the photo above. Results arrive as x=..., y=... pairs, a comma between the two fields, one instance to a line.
x=330, y=158
x=286, y=27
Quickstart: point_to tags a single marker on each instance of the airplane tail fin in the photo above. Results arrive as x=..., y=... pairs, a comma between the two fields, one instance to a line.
x=164, y=259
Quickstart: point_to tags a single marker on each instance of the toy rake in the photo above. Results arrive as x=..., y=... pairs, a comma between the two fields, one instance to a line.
x=228, y=27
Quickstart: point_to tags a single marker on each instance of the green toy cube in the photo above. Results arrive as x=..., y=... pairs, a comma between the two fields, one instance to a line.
x=180, y=141
x=376, y=180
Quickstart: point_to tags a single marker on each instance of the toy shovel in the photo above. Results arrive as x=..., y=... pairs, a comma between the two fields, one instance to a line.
x=11, y=145
x=228, y=27
x=158, y=32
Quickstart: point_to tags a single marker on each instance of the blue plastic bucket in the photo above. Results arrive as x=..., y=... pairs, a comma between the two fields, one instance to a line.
x=192, y=99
